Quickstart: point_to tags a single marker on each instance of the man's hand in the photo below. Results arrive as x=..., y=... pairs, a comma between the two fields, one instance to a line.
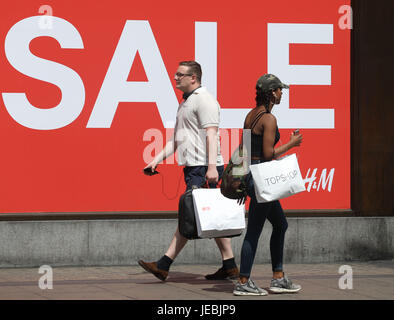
x=212, y=175
x=151, y=166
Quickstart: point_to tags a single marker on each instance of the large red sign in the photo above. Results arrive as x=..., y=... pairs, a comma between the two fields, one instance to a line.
x=88, y=96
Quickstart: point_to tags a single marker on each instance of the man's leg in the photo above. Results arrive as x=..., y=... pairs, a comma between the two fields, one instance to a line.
x=229, y=268
x=161, y=267
x=224, y=245
x=176, y=245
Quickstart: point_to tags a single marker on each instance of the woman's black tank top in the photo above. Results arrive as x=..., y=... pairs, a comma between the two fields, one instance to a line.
x=257, y=140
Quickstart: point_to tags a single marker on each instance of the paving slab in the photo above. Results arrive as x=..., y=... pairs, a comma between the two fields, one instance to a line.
x=371, y=280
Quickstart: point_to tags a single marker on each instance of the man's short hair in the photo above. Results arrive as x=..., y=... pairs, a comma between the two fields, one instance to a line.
x=194, y=68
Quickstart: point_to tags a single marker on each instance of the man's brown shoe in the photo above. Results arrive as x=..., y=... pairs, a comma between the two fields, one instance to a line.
x=223, y=274
x=153, y=269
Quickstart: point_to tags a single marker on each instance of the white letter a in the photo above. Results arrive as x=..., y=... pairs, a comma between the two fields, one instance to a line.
x=136, y=35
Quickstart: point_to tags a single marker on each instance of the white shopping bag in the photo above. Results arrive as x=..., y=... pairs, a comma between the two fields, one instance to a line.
x=216, y=215
x=277, y=179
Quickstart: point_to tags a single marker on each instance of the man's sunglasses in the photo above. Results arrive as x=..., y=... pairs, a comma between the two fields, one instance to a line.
x=180, y=75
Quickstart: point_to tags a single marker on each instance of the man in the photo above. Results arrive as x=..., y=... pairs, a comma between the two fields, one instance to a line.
x=196, y=139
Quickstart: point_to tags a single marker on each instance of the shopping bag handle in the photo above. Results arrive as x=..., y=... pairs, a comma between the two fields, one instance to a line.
x=205, y=185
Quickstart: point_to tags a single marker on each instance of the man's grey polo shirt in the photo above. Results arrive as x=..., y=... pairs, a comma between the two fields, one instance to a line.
x=198, y=112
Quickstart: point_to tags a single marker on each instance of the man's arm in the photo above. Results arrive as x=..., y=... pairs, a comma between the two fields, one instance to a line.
x=212, y=175
x=168, y=150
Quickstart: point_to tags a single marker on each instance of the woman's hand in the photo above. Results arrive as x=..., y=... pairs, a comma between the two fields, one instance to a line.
x=295, y=139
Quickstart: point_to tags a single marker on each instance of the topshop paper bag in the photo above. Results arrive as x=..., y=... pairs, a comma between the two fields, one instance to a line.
x=216, y=215
x=277, y=179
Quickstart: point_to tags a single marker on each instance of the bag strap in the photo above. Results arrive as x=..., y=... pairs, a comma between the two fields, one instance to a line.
x=254, y=123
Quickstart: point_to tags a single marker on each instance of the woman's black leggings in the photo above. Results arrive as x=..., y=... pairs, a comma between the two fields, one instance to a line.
x=258, y=213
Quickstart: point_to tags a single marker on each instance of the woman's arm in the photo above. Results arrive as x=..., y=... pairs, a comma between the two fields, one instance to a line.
x=295, y=141
x=269, y=132
x=269, y=127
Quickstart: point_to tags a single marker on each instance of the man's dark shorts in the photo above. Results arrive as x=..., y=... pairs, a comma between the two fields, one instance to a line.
x=195, y=176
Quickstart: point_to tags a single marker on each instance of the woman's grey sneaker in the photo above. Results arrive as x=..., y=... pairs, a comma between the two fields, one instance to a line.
x=248, y=289
x=284, y=285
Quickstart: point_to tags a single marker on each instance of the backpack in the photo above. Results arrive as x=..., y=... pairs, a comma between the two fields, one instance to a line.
x=234, y=182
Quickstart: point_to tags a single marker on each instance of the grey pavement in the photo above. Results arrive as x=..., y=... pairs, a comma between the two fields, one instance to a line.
x=372, y=280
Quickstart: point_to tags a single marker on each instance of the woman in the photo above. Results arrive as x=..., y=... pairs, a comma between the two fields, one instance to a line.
x=264, y=136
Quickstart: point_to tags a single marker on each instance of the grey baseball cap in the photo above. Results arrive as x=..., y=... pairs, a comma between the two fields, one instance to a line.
x=269, y=82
